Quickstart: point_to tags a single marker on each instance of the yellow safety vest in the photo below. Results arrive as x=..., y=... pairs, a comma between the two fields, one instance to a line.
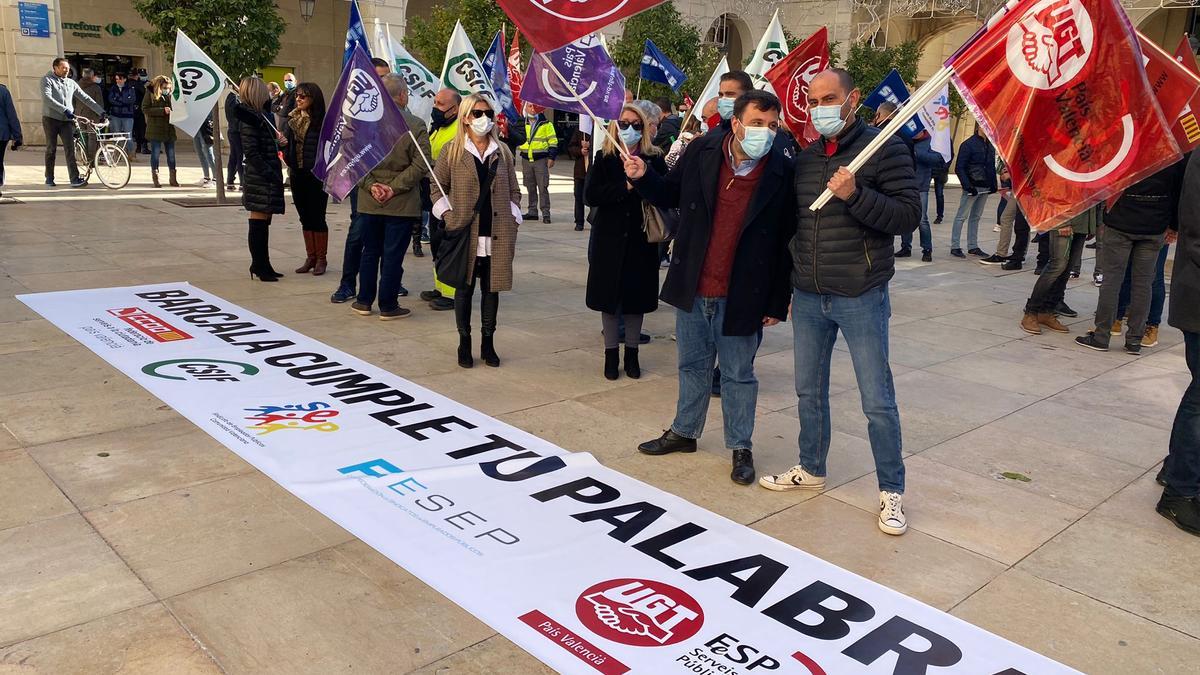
x=440, y=138
x=539, y=138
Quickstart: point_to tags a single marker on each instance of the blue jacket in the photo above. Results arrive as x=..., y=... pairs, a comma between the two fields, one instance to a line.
x=122, y=101
x=10, y=126
x=976, y=151
x=927, y=159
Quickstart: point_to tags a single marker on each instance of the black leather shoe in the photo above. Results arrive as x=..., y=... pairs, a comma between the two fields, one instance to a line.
x=957, y=253
x=667, y=443
x=1183, y=511
x=904, y=252
x=743, y=467
x=441, y=304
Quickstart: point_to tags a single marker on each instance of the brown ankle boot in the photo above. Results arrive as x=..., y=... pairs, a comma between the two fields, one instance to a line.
x=320, y=249
x=174, y=180
x=154, y=177
x=311, y=250
x=1051, y=321
x=1029, y=323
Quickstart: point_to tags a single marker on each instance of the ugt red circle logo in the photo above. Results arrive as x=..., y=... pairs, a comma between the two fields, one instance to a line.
x=639, y=613
x=579, y=10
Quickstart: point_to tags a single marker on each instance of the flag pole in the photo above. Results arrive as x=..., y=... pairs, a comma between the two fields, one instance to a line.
x=426, y=159
x=579, y=99
x=639, y=88
x=919, y=98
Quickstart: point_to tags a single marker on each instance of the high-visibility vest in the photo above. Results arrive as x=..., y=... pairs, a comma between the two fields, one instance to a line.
x=439, y=138
x=539, y=138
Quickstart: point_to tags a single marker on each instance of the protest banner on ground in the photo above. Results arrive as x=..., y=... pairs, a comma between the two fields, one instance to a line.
x=585, y=568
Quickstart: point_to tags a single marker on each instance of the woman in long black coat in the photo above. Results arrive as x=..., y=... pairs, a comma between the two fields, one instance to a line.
x=302, y=131
x=623, y=269
x=262, y=187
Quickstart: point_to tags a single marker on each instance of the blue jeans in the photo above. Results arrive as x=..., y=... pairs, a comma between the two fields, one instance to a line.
x=205, y=152
x=1183, y=463
x=121, y=125
x=970, y=209
x=863, y=321
x=154, y=148
x=926, y=233
x=352, y=255
x=1158, y=290
x=385, y=239
x=700, y=341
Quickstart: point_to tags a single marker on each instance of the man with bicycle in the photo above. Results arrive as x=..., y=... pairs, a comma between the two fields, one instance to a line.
x=58, y=117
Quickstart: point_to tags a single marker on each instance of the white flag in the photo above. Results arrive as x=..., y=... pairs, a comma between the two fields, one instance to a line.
x=935, y=115
x=383, y=43
x=422, y=83
x=771, y=48
x=198, y=85
x=462, y=70
x=710, y=90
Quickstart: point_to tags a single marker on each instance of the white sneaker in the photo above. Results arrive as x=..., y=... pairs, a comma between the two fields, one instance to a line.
x=891, y=513
x=795, y=478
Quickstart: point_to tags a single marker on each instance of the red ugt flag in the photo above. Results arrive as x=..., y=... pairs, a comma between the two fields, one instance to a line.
x=790, y=78
x=514, y=69
x=1060, y=89
x=1187, y=129
x=550, y=24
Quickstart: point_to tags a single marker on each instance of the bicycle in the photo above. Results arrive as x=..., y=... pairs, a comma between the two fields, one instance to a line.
x=109, y=161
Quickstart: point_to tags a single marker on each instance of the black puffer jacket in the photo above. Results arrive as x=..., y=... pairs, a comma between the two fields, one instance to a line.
x=846, y=247
x=263, y=185
x=1151, y=205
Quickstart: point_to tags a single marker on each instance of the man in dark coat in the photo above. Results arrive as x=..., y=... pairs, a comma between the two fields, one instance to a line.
x=1180, y=502
x=842, y=261
x=668, y=126
x=728, y=276
x=137, y=79
x=10, y=127
x=976, y=171
x=233, y=132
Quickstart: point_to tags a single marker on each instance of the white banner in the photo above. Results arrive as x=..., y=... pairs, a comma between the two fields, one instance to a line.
x=772, y=47
x=585, y=568
x=198, y=84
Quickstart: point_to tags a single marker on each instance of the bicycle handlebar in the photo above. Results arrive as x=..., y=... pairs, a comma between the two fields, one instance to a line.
x=83, y=122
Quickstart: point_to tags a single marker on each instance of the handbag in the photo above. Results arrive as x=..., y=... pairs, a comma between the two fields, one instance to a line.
x=978, y=176
x=658, y=224
x=454, y=251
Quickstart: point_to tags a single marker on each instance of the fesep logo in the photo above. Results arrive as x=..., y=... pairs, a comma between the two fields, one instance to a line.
x=315, y=416
x=639, y=613
x=1050, y=44
x=202, y=370
x=150, y=325
x=579, y=10
x=363, y=99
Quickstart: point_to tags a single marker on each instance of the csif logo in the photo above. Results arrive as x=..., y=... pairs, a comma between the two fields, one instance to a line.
x=639, y=613
x=200, y=370
x=1050, y=45
x=197, y=80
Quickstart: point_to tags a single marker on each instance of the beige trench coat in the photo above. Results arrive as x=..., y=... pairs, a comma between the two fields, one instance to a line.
x=461, y=184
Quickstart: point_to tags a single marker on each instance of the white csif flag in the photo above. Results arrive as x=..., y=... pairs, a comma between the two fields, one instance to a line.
x=198, y=85
x=462, y=70
x=710, y=90
x=771, y=48
x=422, y=83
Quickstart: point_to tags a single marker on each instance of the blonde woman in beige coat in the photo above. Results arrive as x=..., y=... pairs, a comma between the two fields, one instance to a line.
x=477, y=156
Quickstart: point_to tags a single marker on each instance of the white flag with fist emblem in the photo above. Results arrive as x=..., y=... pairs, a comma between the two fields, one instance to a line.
x=198, y=84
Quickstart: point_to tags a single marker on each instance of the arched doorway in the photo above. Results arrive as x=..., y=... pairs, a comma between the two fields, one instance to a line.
x=1165, y=25
x=729, y=34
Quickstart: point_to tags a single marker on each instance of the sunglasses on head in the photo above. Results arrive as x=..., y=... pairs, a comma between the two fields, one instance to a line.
x=477, y=113
x=622, y=125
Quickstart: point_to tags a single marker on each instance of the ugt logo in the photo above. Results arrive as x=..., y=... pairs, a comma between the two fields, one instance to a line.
x=1048, y=46
x=363, y=99
x=639, y=613
x=315, y=416
x=197, y=81
x=579, y=10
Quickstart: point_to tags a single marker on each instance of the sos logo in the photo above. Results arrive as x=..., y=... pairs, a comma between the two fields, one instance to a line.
x=639, y=613
x=199, y=370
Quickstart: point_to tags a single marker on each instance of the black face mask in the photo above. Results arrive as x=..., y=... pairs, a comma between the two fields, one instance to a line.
x=437, y=117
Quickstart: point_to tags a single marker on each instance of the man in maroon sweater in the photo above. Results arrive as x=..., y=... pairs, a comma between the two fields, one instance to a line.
x=729, y=271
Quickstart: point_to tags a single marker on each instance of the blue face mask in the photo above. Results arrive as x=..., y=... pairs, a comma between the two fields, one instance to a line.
x=757, y=142
x=827, y=119
x=725, y=107
x=630, y=136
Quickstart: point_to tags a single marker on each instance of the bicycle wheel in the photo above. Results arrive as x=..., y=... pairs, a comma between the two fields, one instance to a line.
x=112, y=166
x=81, y=160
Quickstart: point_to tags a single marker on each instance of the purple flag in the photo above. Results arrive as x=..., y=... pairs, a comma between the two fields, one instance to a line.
x=590, y=70
x=360, y=128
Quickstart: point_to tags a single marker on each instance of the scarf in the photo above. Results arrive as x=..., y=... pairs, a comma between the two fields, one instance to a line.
x=299, y=120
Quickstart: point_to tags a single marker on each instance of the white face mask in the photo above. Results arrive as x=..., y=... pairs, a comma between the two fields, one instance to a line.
x=482, y=125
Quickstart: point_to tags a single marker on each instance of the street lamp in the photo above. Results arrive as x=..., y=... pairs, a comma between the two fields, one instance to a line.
x=306, y=9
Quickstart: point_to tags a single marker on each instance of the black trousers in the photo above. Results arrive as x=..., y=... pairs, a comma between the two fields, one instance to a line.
x=311, y=200
x=579, y=210
x=1051, y=286
x=139, y=129
x=1020, y=236
x=235, y=161
x=56, y=131
x=489, y=303
x=3, y=149
x=939, y=192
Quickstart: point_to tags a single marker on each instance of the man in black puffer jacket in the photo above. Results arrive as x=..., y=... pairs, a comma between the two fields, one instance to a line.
x=841, y=264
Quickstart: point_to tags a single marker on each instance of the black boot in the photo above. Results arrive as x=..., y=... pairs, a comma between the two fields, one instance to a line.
x=464, y=351
x=487, y=352
x=417, y=251
x=743, y=467
x=612, y=363
x=632, y=368
x=256, y=240
x=667, y=443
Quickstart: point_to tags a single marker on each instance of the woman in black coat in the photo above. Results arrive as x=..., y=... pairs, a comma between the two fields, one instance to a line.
x=302, y=132
x=262, y=188
x=623, y=267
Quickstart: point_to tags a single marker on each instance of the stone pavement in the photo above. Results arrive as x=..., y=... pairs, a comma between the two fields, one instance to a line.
x=132, y=542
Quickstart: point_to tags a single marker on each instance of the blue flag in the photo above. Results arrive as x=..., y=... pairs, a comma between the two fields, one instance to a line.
x=355, y=34
x=892, y=89
x=656, y=67
x=360, y=127
x=495, y=64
